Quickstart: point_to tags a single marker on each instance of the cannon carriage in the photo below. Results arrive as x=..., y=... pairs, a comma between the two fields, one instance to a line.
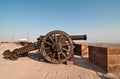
x=56, y=47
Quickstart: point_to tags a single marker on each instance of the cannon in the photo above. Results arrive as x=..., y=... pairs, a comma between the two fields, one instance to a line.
x=56, y=47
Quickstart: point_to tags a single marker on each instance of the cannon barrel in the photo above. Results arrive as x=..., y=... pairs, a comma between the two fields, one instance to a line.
x=78, y=37
x=73, y=37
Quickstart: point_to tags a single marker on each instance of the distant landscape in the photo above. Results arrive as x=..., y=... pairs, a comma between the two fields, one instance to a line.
x=99, y=44
x=95, y=44
x=105, y=44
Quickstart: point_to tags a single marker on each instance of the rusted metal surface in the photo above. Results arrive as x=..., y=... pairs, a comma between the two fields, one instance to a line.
x=23, y=51
x=78, y=37
x=56, y=47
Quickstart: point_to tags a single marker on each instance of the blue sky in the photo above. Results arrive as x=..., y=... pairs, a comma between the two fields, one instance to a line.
x=99, y=19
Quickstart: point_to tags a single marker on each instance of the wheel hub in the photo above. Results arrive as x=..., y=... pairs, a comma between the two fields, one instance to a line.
x=57, y=47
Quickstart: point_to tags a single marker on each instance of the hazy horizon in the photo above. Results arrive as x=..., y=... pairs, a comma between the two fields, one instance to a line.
x=98, y=19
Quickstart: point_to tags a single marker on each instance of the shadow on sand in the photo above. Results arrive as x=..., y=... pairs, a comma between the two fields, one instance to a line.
x=36, y=56
x=85, y=63
x=80, y=62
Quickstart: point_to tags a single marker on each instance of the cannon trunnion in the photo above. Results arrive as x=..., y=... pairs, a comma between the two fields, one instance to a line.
x=56, y=47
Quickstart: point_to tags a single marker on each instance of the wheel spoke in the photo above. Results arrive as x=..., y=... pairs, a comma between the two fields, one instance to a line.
x=51, y=39
x=60, y=38
x=58, y=56
x=47, y=54
x=64, y=49
x=47, y=48
x=53, y=56
x=47, y=43
x=65, y=45
x=63, y=54
x=55, y=36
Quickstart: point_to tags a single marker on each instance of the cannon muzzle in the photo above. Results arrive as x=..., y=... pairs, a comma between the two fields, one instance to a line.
x=78, y=37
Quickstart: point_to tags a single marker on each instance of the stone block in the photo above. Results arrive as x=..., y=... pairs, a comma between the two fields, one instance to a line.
x=114, y=68
x=114, y=50
x=81, y=49
x=69, y=62
x=113, y=59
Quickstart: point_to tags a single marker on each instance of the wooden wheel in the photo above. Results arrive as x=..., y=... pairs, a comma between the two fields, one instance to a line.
x=57, y=47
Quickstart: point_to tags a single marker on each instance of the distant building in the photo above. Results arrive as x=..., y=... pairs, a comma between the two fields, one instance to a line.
x=23, y=40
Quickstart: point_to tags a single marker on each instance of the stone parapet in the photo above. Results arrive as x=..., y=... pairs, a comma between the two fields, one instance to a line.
x=107, y=58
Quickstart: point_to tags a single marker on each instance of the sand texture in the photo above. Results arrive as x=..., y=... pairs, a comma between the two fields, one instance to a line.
x=35, y=67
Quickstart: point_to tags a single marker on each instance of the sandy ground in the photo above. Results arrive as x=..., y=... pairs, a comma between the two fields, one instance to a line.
x=35, y=67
